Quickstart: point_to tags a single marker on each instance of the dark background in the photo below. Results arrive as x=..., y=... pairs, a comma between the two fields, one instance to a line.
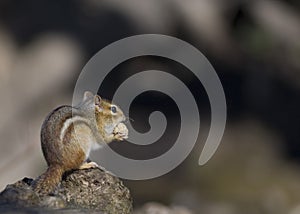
x=254, y=47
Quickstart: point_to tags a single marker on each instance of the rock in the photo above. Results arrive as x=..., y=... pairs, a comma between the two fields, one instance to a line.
x=81, y=191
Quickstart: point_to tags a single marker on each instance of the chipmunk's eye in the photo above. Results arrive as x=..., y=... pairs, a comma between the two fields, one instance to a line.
x=113, y=109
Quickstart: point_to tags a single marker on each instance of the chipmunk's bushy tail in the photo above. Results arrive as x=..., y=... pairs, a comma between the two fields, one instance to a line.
x=48, y=181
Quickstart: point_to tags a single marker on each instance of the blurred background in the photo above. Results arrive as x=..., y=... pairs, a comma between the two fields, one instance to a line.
x=254, y=47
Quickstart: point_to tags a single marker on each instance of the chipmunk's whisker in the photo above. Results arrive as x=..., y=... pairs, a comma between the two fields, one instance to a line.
x=129, y=119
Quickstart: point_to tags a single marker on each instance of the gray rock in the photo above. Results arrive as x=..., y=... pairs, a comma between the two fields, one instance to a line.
x=81, y=191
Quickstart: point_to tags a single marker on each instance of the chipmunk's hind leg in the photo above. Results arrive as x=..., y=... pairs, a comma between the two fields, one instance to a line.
x=88, y=165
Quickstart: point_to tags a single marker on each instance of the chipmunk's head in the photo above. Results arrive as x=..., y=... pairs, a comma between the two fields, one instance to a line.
x=108, y=115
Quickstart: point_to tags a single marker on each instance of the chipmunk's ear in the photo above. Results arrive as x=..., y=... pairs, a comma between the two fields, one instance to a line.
x=98, y=102
x=87, y=95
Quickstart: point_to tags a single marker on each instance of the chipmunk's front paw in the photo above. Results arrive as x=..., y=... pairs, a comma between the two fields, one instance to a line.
x=120, y=132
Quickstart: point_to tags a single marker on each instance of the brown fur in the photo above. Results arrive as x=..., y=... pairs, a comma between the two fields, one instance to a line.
x=44, y=185
x=72, y=150
x=61, y=156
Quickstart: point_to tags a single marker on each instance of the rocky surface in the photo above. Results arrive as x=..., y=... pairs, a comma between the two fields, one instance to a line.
x=81, y=191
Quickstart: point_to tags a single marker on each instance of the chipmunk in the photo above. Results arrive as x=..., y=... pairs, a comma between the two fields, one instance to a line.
x=68, y=134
